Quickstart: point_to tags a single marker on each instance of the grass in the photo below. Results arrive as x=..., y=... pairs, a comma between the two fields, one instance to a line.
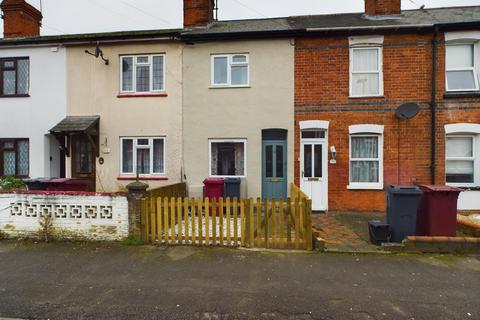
x=132, y=241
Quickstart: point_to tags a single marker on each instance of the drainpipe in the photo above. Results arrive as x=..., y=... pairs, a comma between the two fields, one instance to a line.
x=433, y=106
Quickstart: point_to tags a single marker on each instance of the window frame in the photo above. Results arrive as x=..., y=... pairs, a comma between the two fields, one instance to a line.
x=134, y=74
x=379, y=49
x=475, y=68
x=366, y=185
x=244, y=141
x=230, y=63
x=136, y=146
x=15, y=149
x=15, y=68
x=475, y=158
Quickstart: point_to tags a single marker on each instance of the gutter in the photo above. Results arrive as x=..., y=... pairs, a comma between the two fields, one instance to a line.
x=397, y=26
x=433, y=108
x=81, y=40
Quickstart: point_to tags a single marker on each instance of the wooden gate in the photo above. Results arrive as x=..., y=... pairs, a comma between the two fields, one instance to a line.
x=279, y=224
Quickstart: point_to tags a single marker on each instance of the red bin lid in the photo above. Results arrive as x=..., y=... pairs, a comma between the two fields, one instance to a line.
x=213, y=181
x=439, y=188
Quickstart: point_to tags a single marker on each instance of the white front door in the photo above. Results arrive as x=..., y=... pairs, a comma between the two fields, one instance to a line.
x=313, y=172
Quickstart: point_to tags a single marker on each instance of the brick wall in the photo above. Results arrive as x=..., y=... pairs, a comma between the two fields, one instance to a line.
x=20, y=19
x=382, y=7
x=321, y=93
x=197, y=13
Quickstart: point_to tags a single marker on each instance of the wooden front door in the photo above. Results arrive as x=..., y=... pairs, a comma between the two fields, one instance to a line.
x=274, y=169
x=83, y=159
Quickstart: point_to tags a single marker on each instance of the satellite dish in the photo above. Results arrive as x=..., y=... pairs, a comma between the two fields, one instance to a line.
x=407, y=110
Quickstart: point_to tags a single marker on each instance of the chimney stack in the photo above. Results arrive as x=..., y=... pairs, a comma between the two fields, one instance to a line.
x=20, y=19
x=382, y=7
x=197, y=13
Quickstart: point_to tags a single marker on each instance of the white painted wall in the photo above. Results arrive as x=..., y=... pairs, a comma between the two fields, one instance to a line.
x=32, y=117
x=92, y=217
x=469, y=200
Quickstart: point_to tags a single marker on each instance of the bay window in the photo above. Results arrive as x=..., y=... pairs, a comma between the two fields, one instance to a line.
x=142, y=74
x=227, y=158
x=230, y=70
x=145, y=155
x=14, y=157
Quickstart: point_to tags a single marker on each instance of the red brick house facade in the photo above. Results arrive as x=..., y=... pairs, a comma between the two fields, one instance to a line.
x=406, y=61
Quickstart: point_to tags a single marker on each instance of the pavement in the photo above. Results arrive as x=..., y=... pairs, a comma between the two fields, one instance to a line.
x=111, y=281
x=346, y=232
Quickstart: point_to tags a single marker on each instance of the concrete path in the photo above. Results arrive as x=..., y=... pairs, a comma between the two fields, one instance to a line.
x=99, y=281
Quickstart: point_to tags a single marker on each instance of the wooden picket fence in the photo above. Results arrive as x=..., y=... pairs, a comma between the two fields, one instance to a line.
x=279, y=224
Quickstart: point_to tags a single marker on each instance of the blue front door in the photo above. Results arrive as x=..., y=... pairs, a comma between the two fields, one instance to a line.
x=274, y=169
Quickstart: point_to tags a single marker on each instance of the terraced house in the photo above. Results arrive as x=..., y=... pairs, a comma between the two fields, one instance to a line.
x=343, y=105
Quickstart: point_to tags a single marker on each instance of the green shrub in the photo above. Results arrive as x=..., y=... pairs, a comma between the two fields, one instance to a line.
x=10, y=183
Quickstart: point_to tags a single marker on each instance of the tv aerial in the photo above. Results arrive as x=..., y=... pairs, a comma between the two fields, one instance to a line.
x=98, y=53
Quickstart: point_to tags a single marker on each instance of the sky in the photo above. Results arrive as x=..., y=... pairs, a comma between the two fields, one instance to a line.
x=85, y=16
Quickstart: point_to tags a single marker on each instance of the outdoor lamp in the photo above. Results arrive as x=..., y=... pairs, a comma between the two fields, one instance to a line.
x=333, y=154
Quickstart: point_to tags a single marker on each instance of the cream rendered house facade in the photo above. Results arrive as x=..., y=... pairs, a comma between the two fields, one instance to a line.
x=238, y=112
x=132, y=107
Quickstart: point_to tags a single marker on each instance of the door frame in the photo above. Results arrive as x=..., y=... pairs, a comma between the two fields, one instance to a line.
x=284, y=143
x=319, y=125
x=73, y=169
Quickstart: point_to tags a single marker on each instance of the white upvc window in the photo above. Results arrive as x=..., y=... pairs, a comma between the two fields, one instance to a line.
x=462, y=70
x=230, y=70
x=366, y=157
x=145, y=155
x=142, y=74
x=460, y=160
x=366, y=71
x=462, y=154
x=228, y=158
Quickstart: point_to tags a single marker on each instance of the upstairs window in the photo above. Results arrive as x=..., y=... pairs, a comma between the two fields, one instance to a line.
x=142, y=74
x=15, y=74
x=14, y=157
x=231, y=70
x=366, y=76
x=461, y=67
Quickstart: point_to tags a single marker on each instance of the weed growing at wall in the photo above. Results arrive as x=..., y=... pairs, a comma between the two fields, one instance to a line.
x=47, y=230
x=11, y=183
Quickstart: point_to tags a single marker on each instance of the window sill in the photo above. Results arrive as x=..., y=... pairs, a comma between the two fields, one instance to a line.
x=366, y=97
x=464, y=186
x=15, y=96
x=141, y=95
x=364, y=187
x=229, y=87
x=128, y=178
x=461, y=94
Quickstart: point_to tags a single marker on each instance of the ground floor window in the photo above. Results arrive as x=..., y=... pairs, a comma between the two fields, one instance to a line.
x=14, y=157
x=460, y=159
x=228, y=158
x=366, y=157
x=145, y=155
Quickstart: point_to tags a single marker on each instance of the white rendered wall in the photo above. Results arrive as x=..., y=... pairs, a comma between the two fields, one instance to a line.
x=469, y=200
x=74, y=216
x=32, y=117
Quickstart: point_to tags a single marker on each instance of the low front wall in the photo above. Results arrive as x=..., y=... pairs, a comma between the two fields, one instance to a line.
x=74, y=215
